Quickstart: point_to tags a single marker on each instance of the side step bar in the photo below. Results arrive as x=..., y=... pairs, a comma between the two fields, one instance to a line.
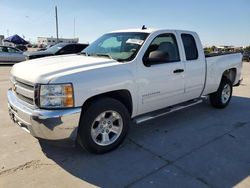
x=162, y=112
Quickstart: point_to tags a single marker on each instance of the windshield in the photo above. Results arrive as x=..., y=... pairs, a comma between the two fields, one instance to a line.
x=55, y=48
x=117, y=46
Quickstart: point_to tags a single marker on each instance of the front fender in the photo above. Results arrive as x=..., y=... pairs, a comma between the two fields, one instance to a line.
x=98, y=81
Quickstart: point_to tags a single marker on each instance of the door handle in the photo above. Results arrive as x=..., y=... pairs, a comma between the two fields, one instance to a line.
x=178, y=70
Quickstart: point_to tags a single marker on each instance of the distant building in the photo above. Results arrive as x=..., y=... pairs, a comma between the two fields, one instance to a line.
x=1, y=39
x=52, y=41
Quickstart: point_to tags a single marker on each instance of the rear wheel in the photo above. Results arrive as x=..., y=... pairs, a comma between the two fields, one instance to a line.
x=222, y=96
x=103, y=125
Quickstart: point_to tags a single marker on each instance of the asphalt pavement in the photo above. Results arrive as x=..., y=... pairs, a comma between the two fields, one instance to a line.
x=196, y=147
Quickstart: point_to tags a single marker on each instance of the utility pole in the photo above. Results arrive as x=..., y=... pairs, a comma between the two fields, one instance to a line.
x=57, y=39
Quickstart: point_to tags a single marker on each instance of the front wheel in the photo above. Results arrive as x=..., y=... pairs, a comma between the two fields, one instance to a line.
x=103, y=125
x=222, y=96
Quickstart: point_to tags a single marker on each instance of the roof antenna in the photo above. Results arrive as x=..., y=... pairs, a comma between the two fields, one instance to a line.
x=143, y=27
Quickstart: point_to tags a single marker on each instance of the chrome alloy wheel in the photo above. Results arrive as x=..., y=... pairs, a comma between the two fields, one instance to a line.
x=106, y=128
x=226, y=93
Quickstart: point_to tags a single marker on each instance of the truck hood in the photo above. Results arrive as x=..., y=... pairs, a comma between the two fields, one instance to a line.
x=43, y=70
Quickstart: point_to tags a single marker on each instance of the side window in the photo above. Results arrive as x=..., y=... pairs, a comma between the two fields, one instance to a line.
x=189, y=46
x=5, y=49
x=1, y=49
x=78, y=48
x=12, y=50
x=69, y=49
x=167, y=44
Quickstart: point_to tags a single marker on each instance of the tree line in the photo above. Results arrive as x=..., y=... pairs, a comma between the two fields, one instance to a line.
x=213, y=49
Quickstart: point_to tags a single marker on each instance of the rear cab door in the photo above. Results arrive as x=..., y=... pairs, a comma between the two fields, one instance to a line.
x=194, y=61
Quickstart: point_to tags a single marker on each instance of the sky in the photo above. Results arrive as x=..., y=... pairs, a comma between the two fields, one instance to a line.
x=218, y=22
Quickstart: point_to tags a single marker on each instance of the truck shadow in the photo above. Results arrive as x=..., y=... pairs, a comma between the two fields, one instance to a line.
x=183, y=139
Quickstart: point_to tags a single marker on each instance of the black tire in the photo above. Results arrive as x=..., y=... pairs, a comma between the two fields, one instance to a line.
x=88, y=119
x=216, y=98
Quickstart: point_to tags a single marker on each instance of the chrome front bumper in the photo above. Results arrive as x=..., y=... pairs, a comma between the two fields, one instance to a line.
x=45, y=124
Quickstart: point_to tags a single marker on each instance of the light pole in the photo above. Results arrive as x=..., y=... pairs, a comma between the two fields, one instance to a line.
x=56, y=25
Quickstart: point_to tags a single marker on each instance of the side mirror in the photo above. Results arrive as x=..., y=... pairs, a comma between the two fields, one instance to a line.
x=156, y=57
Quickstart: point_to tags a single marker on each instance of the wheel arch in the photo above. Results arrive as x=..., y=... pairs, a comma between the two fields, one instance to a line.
x=124, y=96
x=230, y=74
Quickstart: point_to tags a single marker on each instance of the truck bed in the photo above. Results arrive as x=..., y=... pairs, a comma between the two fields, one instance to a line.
x=217, y=63
x=218, y=54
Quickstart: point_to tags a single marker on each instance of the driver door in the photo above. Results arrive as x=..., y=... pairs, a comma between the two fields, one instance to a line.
x=161, y=83
x=14, y=55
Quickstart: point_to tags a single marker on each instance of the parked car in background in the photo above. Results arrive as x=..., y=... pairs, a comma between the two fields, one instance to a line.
x=58, y=49
x=246, y=56
x=11, y=55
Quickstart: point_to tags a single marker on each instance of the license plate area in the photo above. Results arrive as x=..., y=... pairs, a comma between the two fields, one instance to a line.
x=13, y=115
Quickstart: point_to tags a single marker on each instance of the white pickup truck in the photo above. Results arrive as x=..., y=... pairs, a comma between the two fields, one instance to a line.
x=134, y=74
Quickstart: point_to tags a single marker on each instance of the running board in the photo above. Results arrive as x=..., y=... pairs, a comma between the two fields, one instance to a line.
x=168, y=110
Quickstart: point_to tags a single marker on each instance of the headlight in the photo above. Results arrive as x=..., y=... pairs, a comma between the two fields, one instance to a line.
x=56, y=96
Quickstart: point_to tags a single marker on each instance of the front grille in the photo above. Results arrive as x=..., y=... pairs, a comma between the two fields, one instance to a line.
x=24, y=85
x=26, y=99
x=23, y=90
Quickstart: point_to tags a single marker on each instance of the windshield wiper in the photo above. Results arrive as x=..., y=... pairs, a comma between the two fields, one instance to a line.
x=100, y=55
x=103, y=55
x=84, y=53
x=121, y=60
